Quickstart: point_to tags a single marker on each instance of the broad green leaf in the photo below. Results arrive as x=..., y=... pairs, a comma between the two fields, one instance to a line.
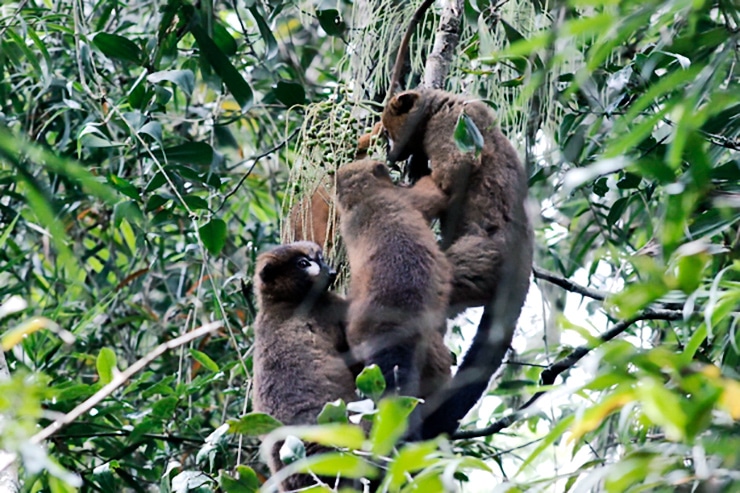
x=333, y=463
x=184, y=79
x=223, y=39
x=370, y=382
x=663, y=407
x=390, y=424
x=333, y=412
x=128, y=210
x=292, y=450
x=118, y=47
x=245, y=482
x=271, y=45
x=213, y=235
x=467, y=135
x=204, y=360
x=331, y=22
x=335, y=435
x=164, y=408
x=596, y=414
x=187, y=153
x=195, y=202
x=254, y=424
x=411, y=458
x=124, y=186
x=106, y=365
x=290, y=93
x=223, y=67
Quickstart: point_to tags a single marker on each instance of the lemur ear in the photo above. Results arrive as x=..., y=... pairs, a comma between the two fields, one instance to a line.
x=402, y=103
x=380, y=170
x=268, y=272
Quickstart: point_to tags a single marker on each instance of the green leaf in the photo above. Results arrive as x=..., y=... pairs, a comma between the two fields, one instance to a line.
x=292, y=450
x=129, y=210
x=290, y=93
x=333, y=412
x=118, y=47
x=254, y=424
x=223, y=67
x=411, y=458
x=331, y=22
x=184, y=79
x=213, y=235
x=616, y=211
x=124, y=186
x=371, y=382
x=467, y=135
x=334, y=435
x=271, y=45
x=224, y=40
x=106, y=364
x=195, y=203
x=390, y=423
x=204, y=360
x=164, y=408
x=338, y=463
x=245, y=482
x=187, y=153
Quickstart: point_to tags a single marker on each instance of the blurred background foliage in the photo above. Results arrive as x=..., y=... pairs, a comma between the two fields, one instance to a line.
x=149, y=150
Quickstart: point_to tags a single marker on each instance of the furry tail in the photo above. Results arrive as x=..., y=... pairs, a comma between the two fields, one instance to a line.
x=486, y=354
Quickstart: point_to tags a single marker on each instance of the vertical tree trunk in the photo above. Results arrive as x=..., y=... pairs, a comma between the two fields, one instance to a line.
x=445, y=42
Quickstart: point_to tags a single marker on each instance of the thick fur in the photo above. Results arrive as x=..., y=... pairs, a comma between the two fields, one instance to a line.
x=310, y=218
x=300, y=358
x=486, y=233
x=399, y=282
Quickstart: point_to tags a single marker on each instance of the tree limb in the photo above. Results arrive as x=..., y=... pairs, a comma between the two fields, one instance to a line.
x=445, y=42
x=567, y=284
x=111, y=387
x=548, y=376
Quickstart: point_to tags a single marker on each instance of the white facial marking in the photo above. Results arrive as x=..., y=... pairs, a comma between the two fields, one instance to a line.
x=313, y=269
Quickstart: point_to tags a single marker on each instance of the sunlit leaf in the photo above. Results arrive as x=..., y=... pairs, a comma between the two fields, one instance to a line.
x=204, y=360
x=370, y=382
x=254, y=424
x=390, y=423
x=106, y=364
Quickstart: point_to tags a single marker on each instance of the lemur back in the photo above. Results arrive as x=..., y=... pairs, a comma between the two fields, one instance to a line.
x=486, y=234
x=399, y=281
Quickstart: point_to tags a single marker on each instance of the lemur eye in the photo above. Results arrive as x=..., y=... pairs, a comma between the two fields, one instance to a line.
x=303, y=263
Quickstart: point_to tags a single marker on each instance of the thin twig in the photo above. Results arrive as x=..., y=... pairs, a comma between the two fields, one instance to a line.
x=114, y=384
x=251, y=168
x=548, y=376
x=567, y=284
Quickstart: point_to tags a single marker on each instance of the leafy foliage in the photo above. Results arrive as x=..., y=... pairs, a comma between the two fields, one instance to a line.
x=146, y=151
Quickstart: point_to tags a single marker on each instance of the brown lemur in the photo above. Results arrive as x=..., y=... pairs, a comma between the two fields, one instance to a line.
x=399, y=283
x=301, y=357
x=486, y=234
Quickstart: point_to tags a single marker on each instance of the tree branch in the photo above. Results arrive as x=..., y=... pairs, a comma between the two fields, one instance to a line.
x=548, y=376
x=567, y=284
x=111, y=387
x=445, y=42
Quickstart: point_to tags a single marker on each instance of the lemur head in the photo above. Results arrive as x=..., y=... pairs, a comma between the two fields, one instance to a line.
x=356, y=179
x=402, y=122
x=292, y=273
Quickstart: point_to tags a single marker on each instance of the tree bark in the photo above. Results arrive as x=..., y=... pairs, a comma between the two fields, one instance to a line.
x=445, y=42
